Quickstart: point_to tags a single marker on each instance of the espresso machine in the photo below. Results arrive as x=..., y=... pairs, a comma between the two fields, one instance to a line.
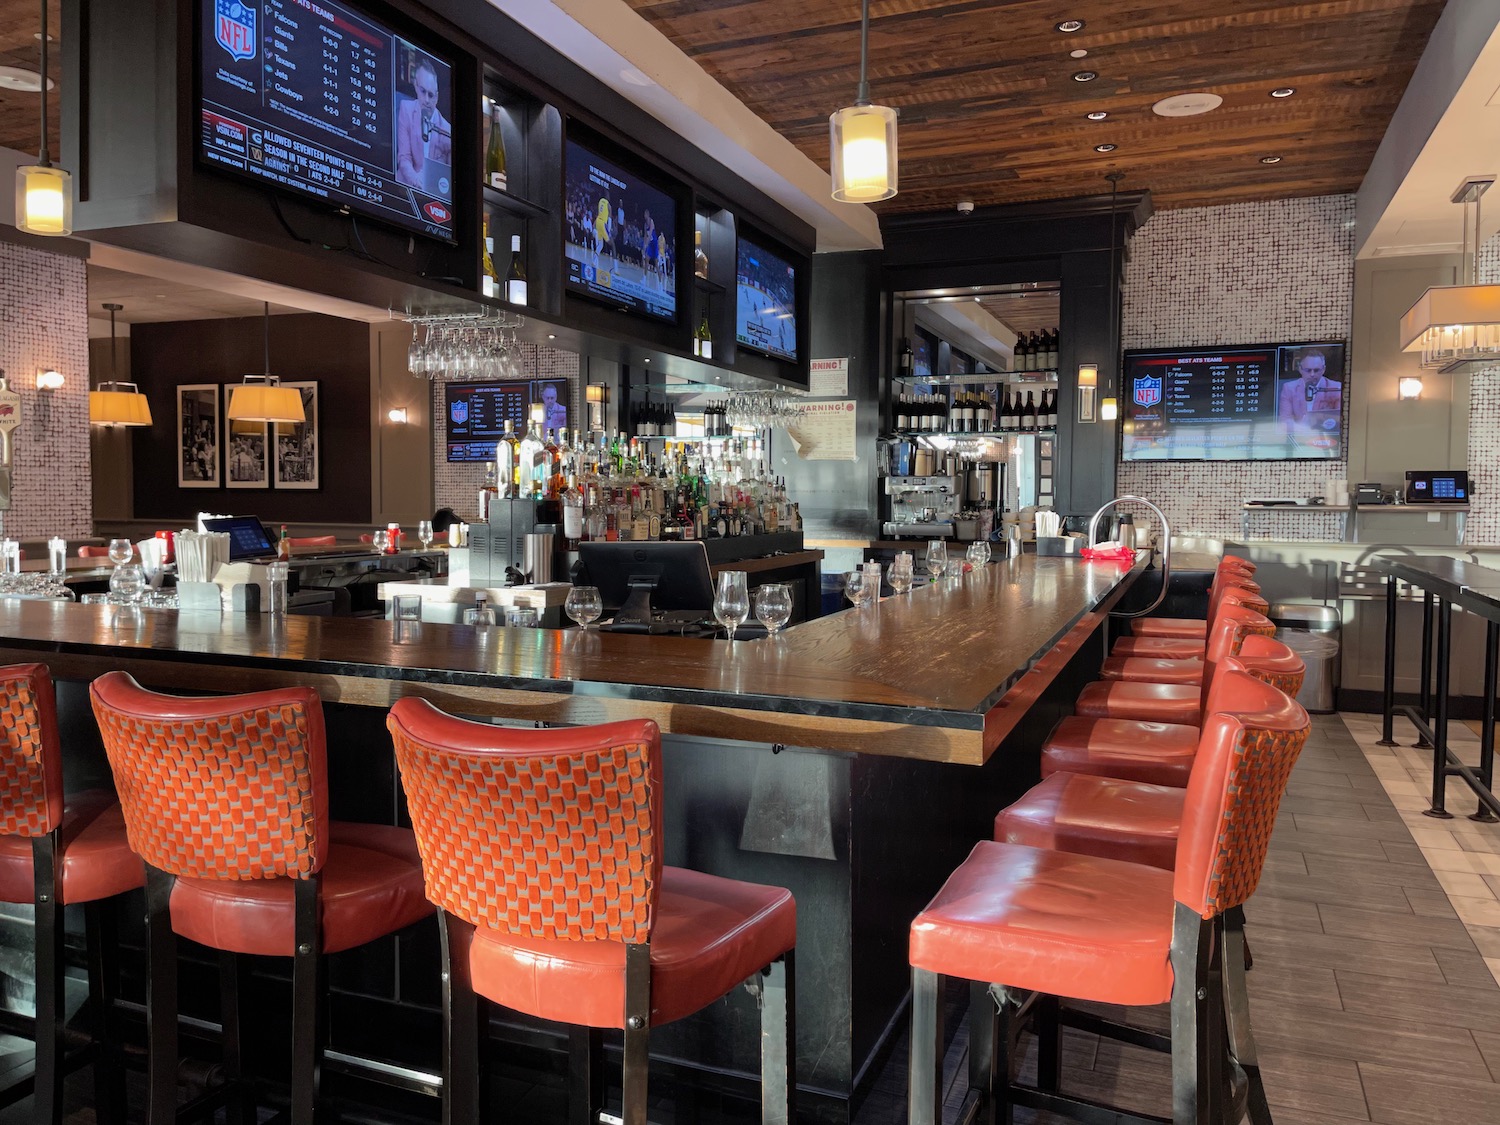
x=921, y=507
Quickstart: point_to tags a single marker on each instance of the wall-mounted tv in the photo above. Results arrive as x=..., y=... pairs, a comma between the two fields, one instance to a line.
x=322, y=101
x=476, y=413
x=621, y=235
x=765, y=301
x=1262, y=402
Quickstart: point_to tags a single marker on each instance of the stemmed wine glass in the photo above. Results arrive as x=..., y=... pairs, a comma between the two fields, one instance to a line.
x=424, y=533
x=732, y=601
x=120, y=551
x=937, y=558
x=381, y=541
x=899, y=574
x=979, y=553
x=584, y=605
x=773, y=606
x=856, y=588
x=128, y=583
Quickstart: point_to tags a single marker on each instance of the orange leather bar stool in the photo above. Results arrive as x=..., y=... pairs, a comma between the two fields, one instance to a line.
x=543, y=850
x=1155, y=752
x=90, y=552
x=54, y=853
x=1015, y=919
x=1173, y=669
x=1184, y=648
x=1103, y=816
x=316, y=541
x=226, y=801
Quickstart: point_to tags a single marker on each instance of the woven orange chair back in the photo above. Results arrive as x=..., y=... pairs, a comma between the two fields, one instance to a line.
x=1269, y=660
x=552, y=834
x=1245, y=756
x=31, y=786
x=223, y=787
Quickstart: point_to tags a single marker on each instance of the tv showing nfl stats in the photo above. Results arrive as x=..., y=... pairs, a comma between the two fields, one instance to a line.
x=1261, y=402
x=315, y=98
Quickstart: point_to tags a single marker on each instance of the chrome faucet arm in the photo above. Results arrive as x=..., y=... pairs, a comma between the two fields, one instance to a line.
x=1166, y=547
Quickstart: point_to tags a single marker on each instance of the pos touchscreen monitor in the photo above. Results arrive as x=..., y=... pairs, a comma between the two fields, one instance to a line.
x=639, y=579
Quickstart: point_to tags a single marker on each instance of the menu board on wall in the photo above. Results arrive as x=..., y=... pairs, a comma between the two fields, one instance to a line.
x=476, y=413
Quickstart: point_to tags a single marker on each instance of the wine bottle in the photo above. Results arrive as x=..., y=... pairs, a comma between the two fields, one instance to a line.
x=515, y=277
x=491, y=278
x=1028, y=413
x=703, y=339
x=905, y=360
x=700, y=259
x=1051, y=422
x=671, y=427
x=494, y=157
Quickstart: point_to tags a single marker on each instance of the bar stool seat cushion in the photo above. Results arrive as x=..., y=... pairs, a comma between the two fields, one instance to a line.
x=1177, y=628
x=1160, y=648
x=372, y=886
x=1073, y=926
x=97, y=860
x=1154, y=703
x=708, y=935
x=1145, y=669
x=1132, y=750
x=1099, y=816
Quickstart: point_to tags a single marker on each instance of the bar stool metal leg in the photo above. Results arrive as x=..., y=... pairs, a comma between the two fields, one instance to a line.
x=778, y=1042
x=1237, y=1015
x=637, y=1033
x=1438, y=715
x=233, y=977
x=585, y=1075
x=924, y=1071
x=161, y=1000
x=1487, y=724
x=986, y=1074
x=109, y=1078
x=461, y=1027
x=51, y=1011
x=1047, y=1023
x=1388, y=688
x=1195, y=1038
x=307, y=1034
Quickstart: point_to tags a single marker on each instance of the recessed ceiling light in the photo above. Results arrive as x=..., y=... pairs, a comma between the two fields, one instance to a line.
x=19, y=78
x=1105, y=148
x=648, y=361
x=551, y=335
x=1067, y=27
x=1270, y=160
x=1078, y=54
x=1098, y=115
x=1283, y=91
x=1085, y=76
x=1187, y=105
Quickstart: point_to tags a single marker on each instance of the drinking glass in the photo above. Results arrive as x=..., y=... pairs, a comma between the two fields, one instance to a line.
x=937, y=558
x=854, y=587
x=127, y=583
x=10, y=556
x=479, y=615
x=899, y=575
x=979, y=553
x=381, y=541
x=523, y=616
x=407, y=607
x=120, y=551
x=276, y=579
x=584, y=605
x=732, y=601
x=57, y=555
x=773, y=606
x=424, y=533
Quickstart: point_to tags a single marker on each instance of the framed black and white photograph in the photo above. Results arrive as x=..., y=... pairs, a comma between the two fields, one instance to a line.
x=296, y=460
x=198, y=435
x=247, y=450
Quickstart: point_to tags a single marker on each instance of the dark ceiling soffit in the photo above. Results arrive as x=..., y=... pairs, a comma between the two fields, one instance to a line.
x=72, y=247
x=1136, y=205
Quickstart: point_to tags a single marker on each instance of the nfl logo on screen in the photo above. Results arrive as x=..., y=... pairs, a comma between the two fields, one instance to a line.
x=1147, y=391
x=234, y=28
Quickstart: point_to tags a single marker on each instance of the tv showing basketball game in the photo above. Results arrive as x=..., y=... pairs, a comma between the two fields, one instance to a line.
x=621, y=235
x=1261, y=402
x=765, y=302
x=322, y=101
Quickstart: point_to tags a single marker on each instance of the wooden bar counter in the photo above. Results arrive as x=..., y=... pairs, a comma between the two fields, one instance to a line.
x=854, y=759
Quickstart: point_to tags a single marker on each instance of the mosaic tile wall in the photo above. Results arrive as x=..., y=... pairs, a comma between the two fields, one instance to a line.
x=1242, y=274
x=457, y=485
x=1484, y=429
x=44, y=324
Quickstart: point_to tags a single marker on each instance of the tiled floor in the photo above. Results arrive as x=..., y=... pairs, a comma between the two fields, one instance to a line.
x=1372, y=999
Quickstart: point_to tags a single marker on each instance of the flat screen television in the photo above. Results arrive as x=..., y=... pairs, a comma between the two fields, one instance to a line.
x=1261, y=402
x=476, y=413
x=324, y=102
x=620, y=237
x=765, y=301
x=922, y=347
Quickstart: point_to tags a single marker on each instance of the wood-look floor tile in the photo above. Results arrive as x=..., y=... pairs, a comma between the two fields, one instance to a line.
x=1374, y=925
x=1384, y=1039
x=1419, y=962
x=1400, y=1095
x=1462, y=966
x=1332, y=889
x=1430, y=903
x=1474, y=1008
x=1375, y=872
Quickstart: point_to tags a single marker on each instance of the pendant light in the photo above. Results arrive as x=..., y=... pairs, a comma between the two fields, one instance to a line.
x=116, y=403
x=1453, y=325
x=1109, y=408
x=262, y=398
x=44, y=194
x=862, y=138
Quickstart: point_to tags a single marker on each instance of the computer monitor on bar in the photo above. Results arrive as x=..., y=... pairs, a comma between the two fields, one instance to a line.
x=639, y=580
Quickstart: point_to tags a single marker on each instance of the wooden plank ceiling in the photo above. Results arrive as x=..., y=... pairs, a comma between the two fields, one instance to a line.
x=20, y=21
x=990, y=110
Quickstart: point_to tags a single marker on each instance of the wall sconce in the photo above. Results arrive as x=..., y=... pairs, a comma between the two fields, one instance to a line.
x=1088, y=390
x=397, y=416
x=1109, y=410
x=1408, y=388
x=596, y=395
x=50, y=380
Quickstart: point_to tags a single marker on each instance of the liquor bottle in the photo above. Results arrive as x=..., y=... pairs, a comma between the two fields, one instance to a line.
x=572, y=512
x=284, y=544
x=1028, y=414
x=700, y=259
x=508, y=461
x=515, y=277
x=905, y=360
x=488, y=493
x=531, y=455
x=491, y=279
x=552, y=476
x=703, y=340
x=494, y=157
